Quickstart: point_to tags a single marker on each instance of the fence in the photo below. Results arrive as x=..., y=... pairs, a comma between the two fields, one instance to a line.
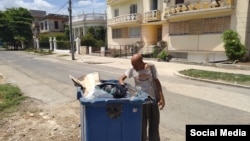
x=129, y=50
x=122, y=50
x=52, y=44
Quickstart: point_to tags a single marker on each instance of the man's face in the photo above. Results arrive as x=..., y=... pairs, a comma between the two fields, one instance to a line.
x=137, y=65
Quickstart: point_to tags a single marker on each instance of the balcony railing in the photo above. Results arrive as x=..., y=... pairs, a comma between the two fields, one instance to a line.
x=198, y=5
x=110, y=1
x=125, y=19
x=89, y=17
x=154, y=15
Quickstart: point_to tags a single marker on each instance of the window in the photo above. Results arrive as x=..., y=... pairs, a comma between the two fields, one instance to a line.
x=116, y=33
x=216, y=25
x=45, y=25
x=179, y=1
x=154, y=4
x=179, y=28
x=134, y=32
x=133, y=8
x=200, y=26
x=196, y=26
x=56, y=25
x=116, y=12
x=120, y=33
x=41, y=25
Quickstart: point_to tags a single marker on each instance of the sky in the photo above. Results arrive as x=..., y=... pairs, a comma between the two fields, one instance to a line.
x=57, y=6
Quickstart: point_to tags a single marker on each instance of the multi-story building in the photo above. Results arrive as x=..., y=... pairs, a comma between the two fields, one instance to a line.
x=192, y=29
x=53, y=23
x=134, y=21
x=81, y=23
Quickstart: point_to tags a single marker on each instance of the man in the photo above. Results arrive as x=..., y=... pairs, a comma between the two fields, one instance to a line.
x=145, y=75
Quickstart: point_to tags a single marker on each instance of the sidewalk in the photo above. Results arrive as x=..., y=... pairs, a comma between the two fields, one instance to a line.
x=164, y=68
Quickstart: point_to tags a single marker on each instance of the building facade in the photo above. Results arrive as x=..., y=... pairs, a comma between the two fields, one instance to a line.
x=38, y=15
x=192, y=29
x=53, y=23
x=82, y=22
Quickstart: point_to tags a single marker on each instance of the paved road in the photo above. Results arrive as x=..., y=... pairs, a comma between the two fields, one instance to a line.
x=187, y=101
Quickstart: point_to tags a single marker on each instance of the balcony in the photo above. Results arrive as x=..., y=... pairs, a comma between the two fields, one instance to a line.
x=89, y=17
x=198, y=6
x=154, y=15
x=128, y=18
x=113, y=1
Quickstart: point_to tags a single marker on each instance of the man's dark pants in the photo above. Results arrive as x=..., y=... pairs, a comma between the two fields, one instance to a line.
x=151, y=117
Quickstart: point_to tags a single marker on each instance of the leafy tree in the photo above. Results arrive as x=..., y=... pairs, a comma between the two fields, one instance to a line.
x=16, y=26
x=99, y=33
x=235, y=50
x=100, y=43
x=88, y=40
x=5, y=34
x=66, y=32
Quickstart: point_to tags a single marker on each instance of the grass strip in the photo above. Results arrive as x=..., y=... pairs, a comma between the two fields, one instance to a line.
x=218, y=76
x=10, y=97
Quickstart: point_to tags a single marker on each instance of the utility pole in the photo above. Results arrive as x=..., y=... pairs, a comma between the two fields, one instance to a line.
x=70, y=31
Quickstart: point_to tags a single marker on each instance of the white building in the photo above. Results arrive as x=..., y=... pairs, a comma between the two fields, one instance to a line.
x=53, y=23
x=192, y=28
x=81, y=23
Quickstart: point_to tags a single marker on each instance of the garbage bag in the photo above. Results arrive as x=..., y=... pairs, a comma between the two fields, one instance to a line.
x=114, y=88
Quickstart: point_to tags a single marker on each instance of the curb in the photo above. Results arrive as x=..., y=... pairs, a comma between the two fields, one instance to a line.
x=217, y=65
x=210, y=81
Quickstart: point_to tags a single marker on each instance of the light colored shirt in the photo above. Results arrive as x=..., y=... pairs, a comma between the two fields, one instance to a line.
x=144, y=79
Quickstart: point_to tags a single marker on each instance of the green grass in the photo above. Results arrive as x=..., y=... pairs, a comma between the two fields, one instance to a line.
x=10, y=97
x=218, y=76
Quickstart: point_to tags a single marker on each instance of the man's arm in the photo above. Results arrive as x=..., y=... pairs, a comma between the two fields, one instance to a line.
x=122, y=79
x=161, y=101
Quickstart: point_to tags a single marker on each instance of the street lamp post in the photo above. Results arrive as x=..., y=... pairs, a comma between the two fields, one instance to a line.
x=70, y=31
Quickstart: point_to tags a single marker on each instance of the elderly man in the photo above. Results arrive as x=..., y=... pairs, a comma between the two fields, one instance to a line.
x=145, y=76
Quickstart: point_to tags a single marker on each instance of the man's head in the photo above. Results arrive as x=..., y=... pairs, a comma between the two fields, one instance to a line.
x=137, y=62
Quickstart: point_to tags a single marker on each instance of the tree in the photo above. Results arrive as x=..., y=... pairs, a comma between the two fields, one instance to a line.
x=99, y=32
x=5, y=33
x=235, y=50
x=88, y=40
x=16, y=26
x=66, y=31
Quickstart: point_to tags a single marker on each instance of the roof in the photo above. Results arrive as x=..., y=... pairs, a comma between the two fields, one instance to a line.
x=37, y=13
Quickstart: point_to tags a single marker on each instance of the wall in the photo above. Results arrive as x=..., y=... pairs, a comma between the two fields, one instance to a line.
x=210, y=42
x=149, y=34
x=239, y=18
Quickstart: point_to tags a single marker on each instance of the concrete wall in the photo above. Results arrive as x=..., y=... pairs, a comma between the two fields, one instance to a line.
x=239, y=18
x=149, y=34
x=124, y=41
x=209, y=42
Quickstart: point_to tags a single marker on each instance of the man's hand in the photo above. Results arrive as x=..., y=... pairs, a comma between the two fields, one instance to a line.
x=161, y=103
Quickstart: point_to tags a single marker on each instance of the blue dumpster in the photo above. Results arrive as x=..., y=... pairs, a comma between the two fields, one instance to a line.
x=110, y=119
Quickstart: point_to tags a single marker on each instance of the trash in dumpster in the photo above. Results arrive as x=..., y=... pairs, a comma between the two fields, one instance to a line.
x=93, y=88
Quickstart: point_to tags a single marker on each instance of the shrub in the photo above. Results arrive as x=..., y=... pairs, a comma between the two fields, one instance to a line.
x=162, y=55
x=100, y=43
x=156, y=51
x=88, y=40
x=235, y=50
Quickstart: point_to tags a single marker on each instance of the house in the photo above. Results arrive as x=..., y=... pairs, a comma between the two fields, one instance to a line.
x=191, y=29
x=82, y=22
x=38, y=15
x=53, y=23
